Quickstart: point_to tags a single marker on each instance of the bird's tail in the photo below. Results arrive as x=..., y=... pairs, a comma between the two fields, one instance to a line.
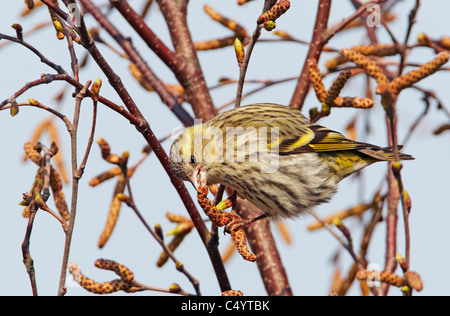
x=385, y=153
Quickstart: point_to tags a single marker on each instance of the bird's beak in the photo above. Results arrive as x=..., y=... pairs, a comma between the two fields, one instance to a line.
x=198, y=177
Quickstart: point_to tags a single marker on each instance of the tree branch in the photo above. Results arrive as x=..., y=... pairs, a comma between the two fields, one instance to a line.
x=263, y=245
x=191, y=76
x=315, y=50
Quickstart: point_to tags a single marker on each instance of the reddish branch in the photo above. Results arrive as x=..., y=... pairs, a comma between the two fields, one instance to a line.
x=150, y=38
x=175, y=64
x=260, y=238
x=191, y=74
x=315, y=50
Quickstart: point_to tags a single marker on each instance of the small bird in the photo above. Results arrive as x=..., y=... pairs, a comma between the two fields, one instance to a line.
x=273, y=156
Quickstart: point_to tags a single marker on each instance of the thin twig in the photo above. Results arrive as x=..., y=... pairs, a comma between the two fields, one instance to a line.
x=411, y=21
x=40, y=106
x=244, y=65
x=258, y=89
x=72, y=128
x=48, y=78
x=179, y=266
x=72, y=53
x=43, y=59
x=142, y=287
x=27, y=260
x=339, y=27
x=90, y=140
x=347, y=245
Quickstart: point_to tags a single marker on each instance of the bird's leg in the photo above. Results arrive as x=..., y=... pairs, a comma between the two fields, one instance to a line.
x=242, y=223
x=237, y=222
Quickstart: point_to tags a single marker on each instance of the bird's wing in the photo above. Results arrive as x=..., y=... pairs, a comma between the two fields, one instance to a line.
x=318, y=139
x=289, y=132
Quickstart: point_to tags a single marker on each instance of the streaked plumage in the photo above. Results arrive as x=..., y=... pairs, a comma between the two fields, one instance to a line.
x=272, y=156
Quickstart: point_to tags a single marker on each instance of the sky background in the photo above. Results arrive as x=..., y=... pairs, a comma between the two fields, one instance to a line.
x=308, y=261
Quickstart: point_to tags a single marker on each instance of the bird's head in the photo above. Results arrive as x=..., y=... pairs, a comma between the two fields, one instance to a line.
x=193, y=154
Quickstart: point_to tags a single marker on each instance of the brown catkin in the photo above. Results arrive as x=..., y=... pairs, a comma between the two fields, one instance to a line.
x=37, y=133
x=121, y=270
x=369, y=66
x=232, y=293
x=239, y=239
x=239, y=31
x=380, y=50
x=275, y=12
x=316, y=79
x=353, y=102
x=33, y=154
x=221, y=219
x=93, y=286
x=412, y=77
x=410, y=278
x=30, y=4
x=215, y=44
x=336, y=87
x=113, y=213
x=172, y=246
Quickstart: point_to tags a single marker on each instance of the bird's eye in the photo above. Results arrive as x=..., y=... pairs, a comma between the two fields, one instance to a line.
x=193, y=159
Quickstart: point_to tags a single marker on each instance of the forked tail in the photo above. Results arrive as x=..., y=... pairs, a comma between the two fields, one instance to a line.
x=385, y=153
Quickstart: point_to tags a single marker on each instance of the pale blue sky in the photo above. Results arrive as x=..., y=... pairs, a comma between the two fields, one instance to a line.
x=307, y=261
